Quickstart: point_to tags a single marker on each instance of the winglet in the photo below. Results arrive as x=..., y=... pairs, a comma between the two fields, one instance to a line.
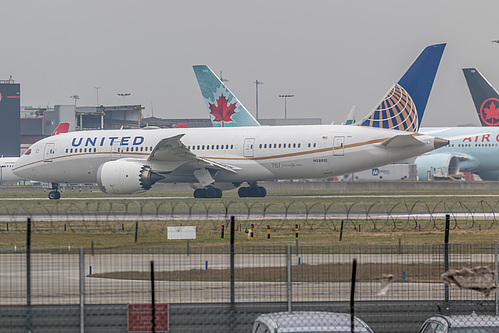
x=61, y=128
x=224, y=108
x=403, y=106
x=485, y=97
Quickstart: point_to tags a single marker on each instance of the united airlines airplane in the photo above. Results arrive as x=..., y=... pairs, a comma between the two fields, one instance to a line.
x=7, y=163
x=216, y=159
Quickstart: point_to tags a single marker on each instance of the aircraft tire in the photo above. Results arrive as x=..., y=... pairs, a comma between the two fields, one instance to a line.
x=54, y=195
x=210, y=192
x=262, y=192
x=243, y=192
x=199, y=193
x=218, y=192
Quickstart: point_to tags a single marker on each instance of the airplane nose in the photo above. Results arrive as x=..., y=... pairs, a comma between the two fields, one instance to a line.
x=439, y=142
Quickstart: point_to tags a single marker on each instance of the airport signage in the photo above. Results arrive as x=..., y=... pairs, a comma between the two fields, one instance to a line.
x=187, y=232
x=140, y=318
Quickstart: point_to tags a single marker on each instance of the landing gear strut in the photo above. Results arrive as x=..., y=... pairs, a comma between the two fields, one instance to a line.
x=54, y=194
x=253, y=191
x=208, y=192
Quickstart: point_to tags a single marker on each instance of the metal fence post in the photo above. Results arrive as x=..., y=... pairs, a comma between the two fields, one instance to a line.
x=446, y=263
x=82, y=290
x=232, y=315
x=288, y=258
x=28, y=276
x=352, y=296
x=496, y=270
x=153, y=300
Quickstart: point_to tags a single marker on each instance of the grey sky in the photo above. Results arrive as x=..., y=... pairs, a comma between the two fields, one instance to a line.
x=329, y=54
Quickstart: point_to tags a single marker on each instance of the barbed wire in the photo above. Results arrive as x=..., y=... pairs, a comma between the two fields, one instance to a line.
x=361, y=216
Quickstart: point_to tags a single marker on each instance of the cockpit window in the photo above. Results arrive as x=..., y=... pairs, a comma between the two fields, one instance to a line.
x=28, y=152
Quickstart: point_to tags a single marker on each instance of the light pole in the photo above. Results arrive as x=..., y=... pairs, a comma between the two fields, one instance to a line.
x=97, y=90
x=285, y=100
x=76, y=97
x=257, y=83
x=124, y=95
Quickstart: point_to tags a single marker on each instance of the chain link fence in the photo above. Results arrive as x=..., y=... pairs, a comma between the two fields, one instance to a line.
x=210, y=289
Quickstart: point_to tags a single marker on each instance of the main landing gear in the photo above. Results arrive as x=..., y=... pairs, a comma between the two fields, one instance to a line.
x=54, y=194
x=253, y=191
x=208, y=192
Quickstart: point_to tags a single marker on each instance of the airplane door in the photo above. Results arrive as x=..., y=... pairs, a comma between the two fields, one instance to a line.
x=338, y=146
x=249, y=147
x=116, y=150
x=48, y=153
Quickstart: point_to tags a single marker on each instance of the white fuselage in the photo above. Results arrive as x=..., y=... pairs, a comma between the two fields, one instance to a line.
x=257, y=153
x=6, y=167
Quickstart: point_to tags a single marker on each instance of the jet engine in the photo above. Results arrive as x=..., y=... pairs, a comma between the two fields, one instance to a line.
x=437, y=165
x=125, y=177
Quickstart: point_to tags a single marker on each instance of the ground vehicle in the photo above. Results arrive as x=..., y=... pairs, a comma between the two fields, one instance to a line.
x=461, y=324
x=307, y=321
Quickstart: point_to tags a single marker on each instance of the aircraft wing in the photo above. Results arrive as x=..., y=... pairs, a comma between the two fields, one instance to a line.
x=172, y=153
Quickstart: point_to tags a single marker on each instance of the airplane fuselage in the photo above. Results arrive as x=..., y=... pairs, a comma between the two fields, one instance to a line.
x=479, y=146
x=257, y=153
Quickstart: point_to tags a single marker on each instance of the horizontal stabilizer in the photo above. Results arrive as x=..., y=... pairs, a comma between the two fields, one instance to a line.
x=398, y=141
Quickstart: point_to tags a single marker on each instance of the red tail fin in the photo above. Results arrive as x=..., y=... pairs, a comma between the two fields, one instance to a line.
x=61, y=128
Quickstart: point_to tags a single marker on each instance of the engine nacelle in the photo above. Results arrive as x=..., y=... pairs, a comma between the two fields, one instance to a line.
x=441, y=165
x=125, y=177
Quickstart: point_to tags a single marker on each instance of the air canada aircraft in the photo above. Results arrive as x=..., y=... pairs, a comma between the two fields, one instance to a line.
x=216, y=159
x=475, y=149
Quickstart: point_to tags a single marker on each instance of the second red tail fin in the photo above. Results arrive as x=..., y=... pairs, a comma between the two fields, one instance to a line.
x=61, y=128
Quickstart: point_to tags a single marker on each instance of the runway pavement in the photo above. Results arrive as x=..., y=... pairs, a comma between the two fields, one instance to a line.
x=55, y=279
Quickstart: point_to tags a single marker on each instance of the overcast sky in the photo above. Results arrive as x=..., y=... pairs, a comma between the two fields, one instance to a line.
x=329, y=54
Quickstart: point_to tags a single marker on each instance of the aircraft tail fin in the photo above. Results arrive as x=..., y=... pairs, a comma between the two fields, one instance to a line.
x=484, y=96
x=403, y=106
x=224, y=108
x=61, y=128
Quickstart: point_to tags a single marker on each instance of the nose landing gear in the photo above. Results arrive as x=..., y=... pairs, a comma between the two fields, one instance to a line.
x=54, y=194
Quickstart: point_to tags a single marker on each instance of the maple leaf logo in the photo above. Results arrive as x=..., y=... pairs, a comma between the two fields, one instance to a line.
x=224, y=111
x=491, y=111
